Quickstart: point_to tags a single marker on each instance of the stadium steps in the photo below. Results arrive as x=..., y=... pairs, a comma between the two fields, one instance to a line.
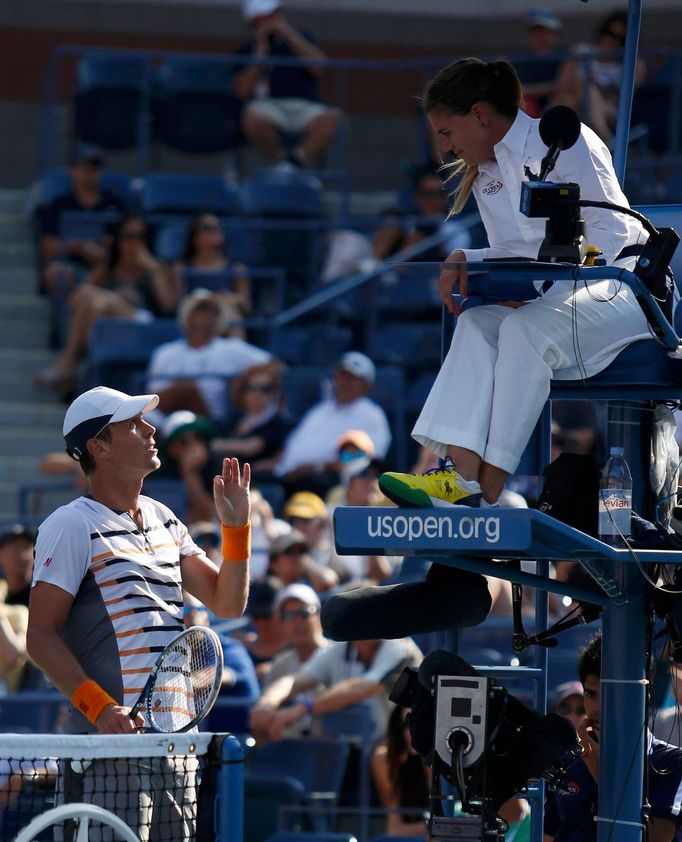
x=30, y=417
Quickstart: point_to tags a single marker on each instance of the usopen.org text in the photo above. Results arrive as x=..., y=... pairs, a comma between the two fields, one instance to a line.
x=414, y=527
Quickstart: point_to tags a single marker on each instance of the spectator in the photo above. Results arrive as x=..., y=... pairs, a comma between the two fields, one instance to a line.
x=667, y=724
x=16, y=564
x=540, y=67
x=307, y=513
x=13, y=654
x=299, y=611
x=309, y=461
x=350, y=672
x=290, y=561
x=282, y=97
x=261, y=426
x=65, y=260
x=206, y=252
x=602, y=63
x=191, y=372
x=267, y=636
x=402, y=779
x=360, y=483
x=185, y=441
x=129, y=284
x=570, y=815
x=569, y=701
x=422, y=213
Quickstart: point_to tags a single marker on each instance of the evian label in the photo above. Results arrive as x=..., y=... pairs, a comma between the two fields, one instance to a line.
x=615, y=508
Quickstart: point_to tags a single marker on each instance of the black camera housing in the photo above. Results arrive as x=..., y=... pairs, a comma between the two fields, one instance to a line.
x=565, y=229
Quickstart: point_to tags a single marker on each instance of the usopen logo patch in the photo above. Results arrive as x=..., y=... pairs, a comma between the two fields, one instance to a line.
x=492, y=187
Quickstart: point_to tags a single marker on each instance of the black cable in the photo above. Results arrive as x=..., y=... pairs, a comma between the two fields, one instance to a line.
x=590, y=203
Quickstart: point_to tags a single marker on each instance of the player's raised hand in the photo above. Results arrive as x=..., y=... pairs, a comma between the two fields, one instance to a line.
x=231, y=493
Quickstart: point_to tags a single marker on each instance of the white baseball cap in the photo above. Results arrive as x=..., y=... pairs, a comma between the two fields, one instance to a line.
x=358, y=364
x=94, y=410
x=300, y=591
x=259, y=8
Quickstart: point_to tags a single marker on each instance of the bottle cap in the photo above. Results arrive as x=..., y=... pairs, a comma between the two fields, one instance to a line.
x=617, y=451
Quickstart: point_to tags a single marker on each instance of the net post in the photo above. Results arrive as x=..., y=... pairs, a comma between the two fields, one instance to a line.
x=229, y=800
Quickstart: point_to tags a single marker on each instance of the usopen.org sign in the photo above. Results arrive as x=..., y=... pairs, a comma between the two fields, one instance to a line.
x=368, y=529
x=415, y=527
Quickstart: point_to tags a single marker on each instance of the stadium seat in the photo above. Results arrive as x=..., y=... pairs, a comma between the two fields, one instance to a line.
x=273, y=493
x=319, y=764
x=170, y=240
x=389, y=392
x=265, y=797
x=285, y=208
x=320, y=346
x=112, y=101
x=303, y=386
x=412, y=345
x=195, y=108
x=119, y=348
x=183, y=194
x=311, y=836
x=170, y=492
x=402, y=290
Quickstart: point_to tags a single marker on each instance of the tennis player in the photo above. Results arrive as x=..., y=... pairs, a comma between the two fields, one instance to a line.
x=110, y=566
x=106, y=595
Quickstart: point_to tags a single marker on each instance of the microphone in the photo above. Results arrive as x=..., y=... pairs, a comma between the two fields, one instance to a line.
x=559, y=129
x=447, y=599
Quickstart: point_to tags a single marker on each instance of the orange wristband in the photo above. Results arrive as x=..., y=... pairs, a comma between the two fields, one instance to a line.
x=236, y=542
x=91, y=700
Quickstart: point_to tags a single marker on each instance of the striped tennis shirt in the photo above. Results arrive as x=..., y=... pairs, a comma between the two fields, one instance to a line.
x=127, y=589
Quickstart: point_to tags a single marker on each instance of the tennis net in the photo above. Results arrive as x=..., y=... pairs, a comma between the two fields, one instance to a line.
x=165, y=787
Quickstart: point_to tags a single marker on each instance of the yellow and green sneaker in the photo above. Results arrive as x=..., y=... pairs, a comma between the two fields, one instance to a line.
x=439, y=487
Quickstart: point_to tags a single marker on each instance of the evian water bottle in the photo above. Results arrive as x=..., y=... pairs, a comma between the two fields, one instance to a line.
x=615, y=500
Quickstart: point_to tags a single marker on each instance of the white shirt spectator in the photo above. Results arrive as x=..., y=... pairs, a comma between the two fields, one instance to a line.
x=210, y=365
x=315, y=438
x=340, y=661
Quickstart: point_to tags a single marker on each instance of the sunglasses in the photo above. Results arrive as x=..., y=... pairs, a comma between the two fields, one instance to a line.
x=303, y=613
x=264, y=388
x=209, y=226
x=566, y=709
x=133, y=235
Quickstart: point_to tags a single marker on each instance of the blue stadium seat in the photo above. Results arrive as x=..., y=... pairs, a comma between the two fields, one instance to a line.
x=310, y=345
x=186, y=194
x=286, y=207
x=170, y=240
x=302, y=387
x=112, y=100
x=119, y=348
x=170, y=492
x=389, y=392
x=265, y=797
x=319, y=764
x=413, y=345
x=311, y=836
x=195, y=108
x=402, y=290
x=273, y=493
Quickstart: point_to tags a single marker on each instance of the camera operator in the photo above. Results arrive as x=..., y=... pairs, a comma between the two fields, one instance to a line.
x=480, y=412
x=569, y=817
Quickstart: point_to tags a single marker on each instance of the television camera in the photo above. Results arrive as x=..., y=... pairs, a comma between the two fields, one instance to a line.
x=560, y=204
x=482, y=740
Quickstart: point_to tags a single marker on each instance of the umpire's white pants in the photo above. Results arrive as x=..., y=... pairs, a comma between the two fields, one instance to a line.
x=495, y=380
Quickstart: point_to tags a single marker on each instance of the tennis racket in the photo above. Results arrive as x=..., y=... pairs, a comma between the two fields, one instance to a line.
x=184, y=682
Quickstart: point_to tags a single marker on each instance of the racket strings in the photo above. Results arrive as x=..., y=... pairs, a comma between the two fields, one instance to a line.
x=186, y=682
